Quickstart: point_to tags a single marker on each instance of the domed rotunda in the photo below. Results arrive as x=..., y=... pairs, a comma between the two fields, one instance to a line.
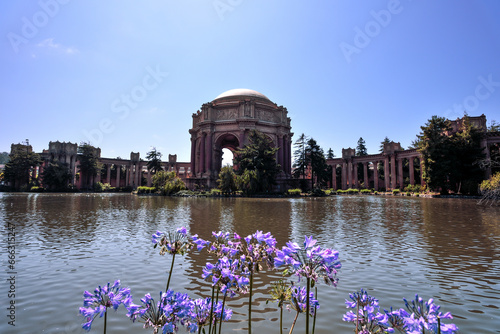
x=226, y=121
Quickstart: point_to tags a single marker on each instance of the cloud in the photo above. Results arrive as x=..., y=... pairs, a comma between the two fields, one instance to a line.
x=49, y=44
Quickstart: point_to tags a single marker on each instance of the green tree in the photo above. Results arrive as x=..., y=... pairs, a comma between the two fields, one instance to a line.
x=329, y=154
x=56, y=176
x=385, y=141
x=259, y=156
x=20, y=167
x=89, y=163
x=494, y=126
x=466, y=173
x=300, y=159
x=319, y=168
x=4, y=158
x=227, y=180
x=167, y=182
x=436, y=148
x=361, y=148
x=154, y=160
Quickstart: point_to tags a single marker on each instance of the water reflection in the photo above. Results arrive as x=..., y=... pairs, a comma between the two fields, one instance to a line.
x=395, y=247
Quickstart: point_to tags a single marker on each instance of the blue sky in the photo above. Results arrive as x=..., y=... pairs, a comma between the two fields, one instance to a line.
x=127, y=75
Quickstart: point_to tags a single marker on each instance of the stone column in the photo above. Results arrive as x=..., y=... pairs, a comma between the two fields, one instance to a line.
x=127, y=175
x=400, y=173
x=387, y=174
x=375, y=175
x=209, y=152
x=108, y=174
x=334, y=177
x=149, y=178
x=202, y=154
x=288, y=155
x=242, y=138
x=281, y=152
x=118, y=169
x=356, y=175
x=365, y=175
x=393, y=171
x=344, y=175
x=193, y=156
x=412, y=171
x=349, y=173
x=137, y=181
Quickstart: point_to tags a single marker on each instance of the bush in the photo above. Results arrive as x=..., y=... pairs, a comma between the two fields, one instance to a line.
x=146, y=190
x=317, y=192
x=216, y=192
x=375, y=193
x=396, y=191
x=294, y=192
x=352, y=191
x=98, y=187
x=412, y=189
x=366, y=191
x=408, y=193
x=36, y=189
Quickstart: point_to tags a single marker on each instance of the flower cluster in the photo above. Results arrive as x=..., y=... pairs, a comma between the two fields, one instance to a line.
x=299, y=300
x=174, y=309
x=172, y=243
x=310, y=261
x=423, y=317
x=223, y=274
x=96, y=304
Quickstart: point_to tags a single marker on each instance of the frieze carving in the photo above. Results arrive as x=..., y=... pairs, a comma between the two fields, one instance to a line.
x=268, y=116
x=226, y=114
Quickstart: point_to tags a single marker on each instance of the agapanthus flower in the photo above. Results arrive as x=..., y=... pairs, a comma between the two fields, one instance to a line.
x=223, y=274
x=200, y=243
x=309, y=261
x=299, y=300
x=366, y=316
x=104, y=297
x=171, y=310
x=425, y=316
x=172, y=242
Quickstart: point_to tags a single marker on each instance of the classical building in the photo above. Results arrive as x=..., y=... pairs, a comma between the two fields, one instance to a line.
x=226, y=122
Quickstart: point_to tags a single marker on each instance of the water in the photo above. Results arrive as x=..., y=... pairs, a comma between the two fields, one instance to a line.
x=447, y=249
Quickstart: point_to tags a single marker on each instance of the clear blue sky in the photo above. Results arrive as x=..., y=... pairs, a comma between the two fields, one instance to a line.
x=344, y=69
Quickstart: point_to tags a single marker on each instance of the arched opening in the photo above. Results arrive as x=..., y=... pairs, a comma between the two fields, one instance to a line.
x=227, y=157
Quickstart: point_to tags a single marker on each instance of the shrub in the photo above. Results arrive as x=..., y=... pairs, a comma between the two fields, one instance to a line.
x=216, y=192
x=408, y=193
x=317, y=192
x=294, y=192
x=417, y=194
x=36, y=189
x=146, y=190
x=366, y=191
x=396, y=191
x=98, y=187
x=227, y=180
x=352, y=191
x=375, y=193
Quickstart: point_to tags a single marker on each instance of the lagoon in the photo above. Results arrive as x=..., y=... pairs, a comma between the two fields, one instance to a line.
x=395, y=247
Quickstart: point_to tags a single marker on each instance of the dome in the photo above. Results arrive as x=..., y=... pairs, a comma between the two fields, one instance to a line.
x=241, y=92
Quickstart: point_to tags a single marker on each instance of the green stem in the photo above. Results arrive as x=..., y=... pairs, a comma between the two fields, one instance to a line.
x=315, y=308
x=357, y=314
x=170, y=273
x=215, y=322
x=211, y=311
x=307, y=304
x=293, y=323
x=105, y=320
x=439, y=325
x=281, y=320
x=250, y=305
x=222, y=311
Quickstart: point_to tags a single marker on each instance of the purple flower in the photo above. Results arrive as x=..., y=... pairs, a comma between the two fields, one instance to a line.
x=299, y=300
x=172, y=243
x=96, y=304
x=309, y=261
x=223, y=274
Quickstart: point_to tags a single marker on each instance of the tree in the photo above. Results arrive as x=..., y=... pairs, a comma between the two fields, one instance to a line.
x=227, y=180
x=56, y=176
x=167, y=182
x=89, y=163
x=4, y=158
x=436, y=148
x=154, y=160
x=259, y=156
x=329, y=154
x=361, y=148
x=300, y=159
x=319, y=168
x=494, y=126
x=385, y=141
x=20, y=167
x=466, y=173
